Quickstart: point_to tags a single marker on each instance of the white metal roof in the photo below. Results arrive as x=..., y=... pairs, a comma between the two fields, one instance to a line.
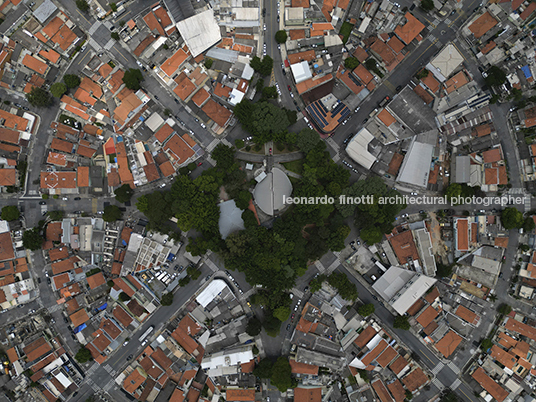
x=416, y=165
x=230, y=218
x=357, y=149
x=200, y=32
x=301, y=71
x=213, y=289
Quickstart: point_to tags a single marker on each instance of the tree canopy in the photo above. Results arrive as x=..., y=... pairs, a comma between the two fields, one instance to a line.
x=10, y=213
x=132, y=79
x=32, y=239
x=366, y=309
x=254, y=327
x=263, y=369
x=372, y=218
x=39, y=97
x=281, y=36
x=307, y=139
x=58, y=89
x=495, y=76
x=167, y=299
x=511, y=218
x=263, y=67
x=351, y=63
x=82, y=5
x=71, y=80
x=112, y=213
x=224, y=156
x=83, y=355
x=504, y=309
x=401, y=322
x=124, y=193
x=281, y=374
x=264, y=120
x=427, y=5
x=346, y=289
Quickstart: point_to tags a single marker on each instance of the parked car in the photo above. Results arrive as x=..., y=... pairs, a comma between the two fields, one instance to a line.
x=77, y=198
x=42, y=203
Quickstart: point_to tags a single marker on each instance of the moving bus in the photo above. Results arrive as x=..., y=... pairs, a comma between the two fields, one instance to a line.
x=146, y=333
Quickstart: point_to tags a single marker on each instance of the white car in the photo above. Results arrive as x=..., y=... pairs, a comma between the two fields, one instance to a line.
x=65, y=199
x=162, y=185
x=265, y=27
x=202, y=125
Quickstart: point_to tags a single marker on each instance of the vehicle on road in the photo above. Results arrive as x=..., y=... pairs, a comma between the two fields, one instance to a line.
x=77, y=198
x=288, y=327
x=364, y=121
x=42, y=203
x=146, y=333
x=129, y=357
x=398, y=88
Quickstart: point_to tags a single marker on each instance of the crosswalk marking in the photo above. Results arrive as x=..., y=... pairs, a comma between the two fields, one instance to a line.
x=438, y=384
x=320, y=266
x=438, y=368
x=455, y=384
x=454, y=368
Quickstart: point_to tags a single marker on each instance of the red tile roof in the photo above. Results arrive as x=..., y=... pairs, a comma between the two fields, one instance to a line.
x=495, y=390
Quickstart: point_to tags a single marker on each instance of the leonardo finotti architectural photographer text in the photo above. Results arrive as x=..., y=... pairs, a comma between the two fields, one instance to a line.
x=408, y=200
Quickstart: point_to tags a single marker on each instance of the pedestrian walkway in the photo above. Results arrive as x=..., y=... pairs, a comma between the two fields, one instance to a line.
x=333, y=266
x=455, y=384
x=320, y=267
x=438, y=384
x=438, y=368
x=454, y=368
x=297, y=292
x=211, y=265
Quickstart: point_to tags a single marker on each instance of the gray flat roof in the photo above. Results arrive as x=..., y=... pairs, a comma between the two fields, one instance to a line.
x=44, y=11
x=269, y=192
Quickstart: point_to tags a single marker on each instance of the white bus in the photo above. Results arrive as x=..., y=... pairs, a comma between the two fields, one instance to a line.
x=146, y=333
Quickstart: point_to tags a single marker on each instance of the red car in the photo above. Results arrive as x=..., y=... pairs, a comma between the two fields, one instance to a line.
x=289, y=88
x=200, y=163
x=270, y=151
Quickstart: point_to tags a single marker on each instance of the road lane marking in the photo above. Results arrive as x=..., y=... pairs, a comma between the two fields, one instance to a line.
x=389, y=85
x=118, y=51
x=465, y=394
x=83, y=58
x=426, y=356
x=433, y=43
x=82, y=15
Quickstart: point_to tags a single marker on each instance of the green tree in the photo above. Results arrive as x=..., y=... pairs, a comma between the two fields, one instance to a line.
x=307, y=139
x=124, y=297
x=112, y=213
x=401, y=322
x=82, y=5
x=10, y=213
x=55, y=215
x=346, y=289
x=32, y=239
x=184, y=281
x=83, y=355
x=124, y=193
x=263, y=369
x=448, y=396
x=371, y=235
x=443, y=271
x=58, y=89
x=427, y=5
x=114, y=35
x=71, y=80
x=281, y=374
x=239, y=144
x=271, y=325
x=167, y=299
x=269, y=92
x=281, y=36
x=495, y=76
x=528, y=224
x=409, y=394
x=132, y=79
x=113, y=6
x=486, y=344
x=110, y=283
x=504, y=309
x=422, y=74
x=193, y=272
x=224, y=156
x=316, y=283
x=39, y=97
x=263, y=67
x=143, y=203
x=208, y=63
x=366, y=309
x=254, y=327
x=511, y=218
x=282, y=313
x=351, y=63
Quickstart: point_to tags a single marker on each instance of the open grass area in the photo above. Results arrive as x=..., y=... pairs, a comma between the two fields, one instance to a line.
x=346, y=29
x=294, y=166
